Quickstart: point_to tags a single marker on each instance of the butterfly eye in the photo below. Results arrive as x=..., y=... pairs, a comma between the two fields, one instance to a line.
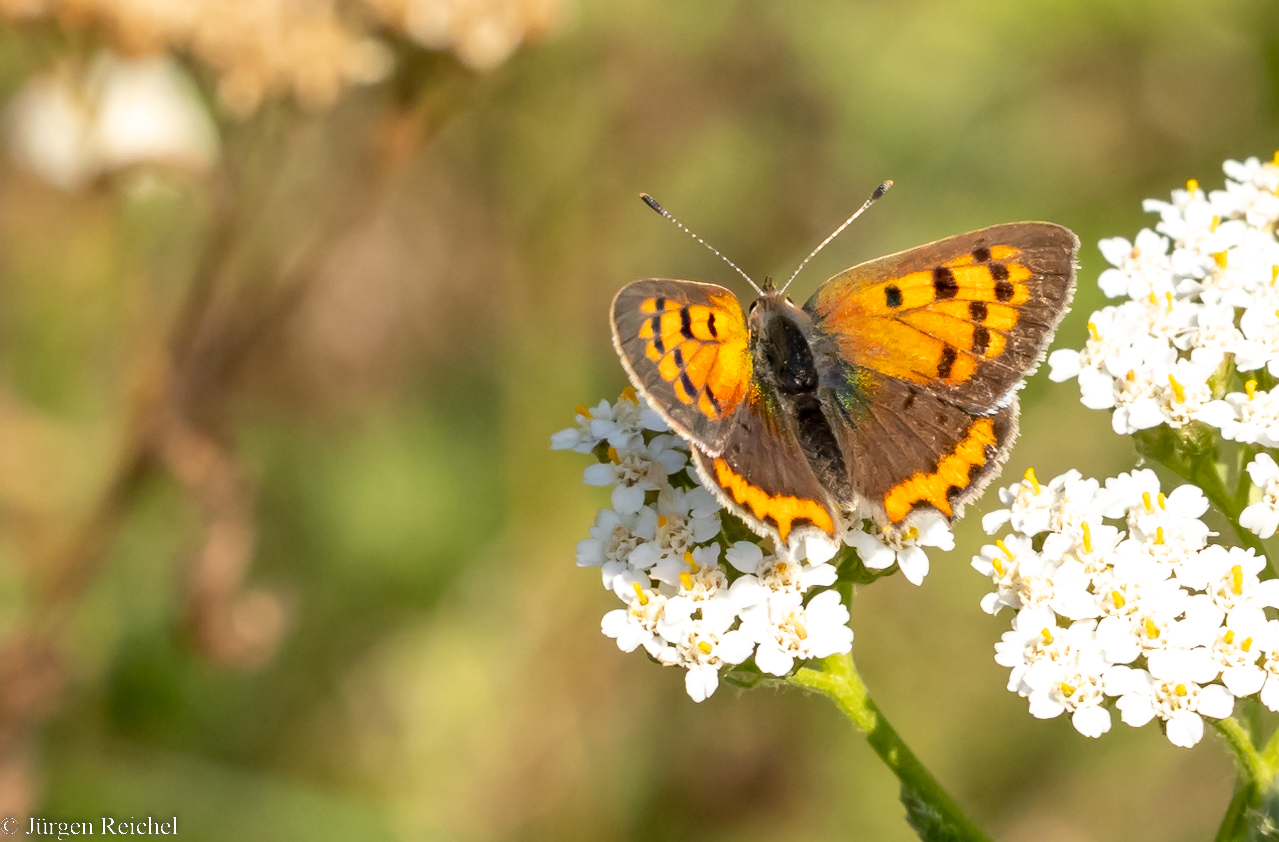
x=751, y=309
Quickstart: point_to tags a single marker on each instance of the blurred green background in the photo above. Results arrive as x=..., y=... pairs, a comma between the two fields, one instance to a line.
x=438, y=671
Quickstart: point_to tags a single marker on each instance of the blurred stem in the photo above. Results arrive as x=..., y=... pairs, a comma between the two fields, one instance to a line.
x=930, y=810
x=1256, y=776
x=1254, y=766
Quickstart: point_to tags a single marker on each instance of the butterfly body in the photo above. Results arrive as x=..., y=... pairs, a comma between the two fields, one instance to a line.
x=891, y=392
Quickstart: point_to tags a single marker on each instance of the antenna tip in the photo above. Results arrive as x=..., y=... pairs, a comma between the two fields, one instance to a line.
x=651, y=202
x=881, y=189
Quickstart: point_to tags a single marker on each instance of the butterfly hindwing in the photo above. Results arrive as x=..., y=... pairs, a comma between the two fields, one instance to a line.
x=685, y=346
x=909, y=450
x=965, y=318
x=763, y=476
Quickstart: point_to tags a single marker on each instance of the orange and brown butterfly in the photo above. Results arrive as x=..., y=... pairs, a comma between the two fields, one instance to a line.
x=891, y=392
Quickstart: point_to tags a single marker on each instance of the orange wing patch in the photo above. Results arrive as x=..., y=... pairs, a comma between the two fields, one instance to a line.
x=933, y=324
x=700, y=349
x=951, y=476
x=782, y=509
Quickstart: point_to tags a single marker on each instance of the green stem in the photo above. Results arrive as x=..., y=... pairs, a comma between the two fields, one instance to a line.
x=930, y=809
x=1252, y=764
x=1256, y=776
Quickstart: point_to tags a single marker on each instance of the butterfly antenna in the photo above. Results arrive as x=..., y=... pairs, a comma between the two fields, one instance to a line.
x=874, y=197
x=652, y=203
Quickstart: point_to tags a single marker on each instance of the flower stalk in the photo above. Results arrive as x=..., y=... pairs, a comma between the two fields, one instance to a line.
x=930, y=809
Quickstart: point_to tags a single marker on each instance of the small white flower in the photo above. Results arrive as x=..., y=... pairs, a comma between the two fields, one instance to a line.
x=704, y=647
x=1031, y=505
x=624, y=424
x=1262, y=517
x=579, y=437
x=685, y=518
x=788, y=631
x=880, y=551
x=1237, y=647
x=614, y=537
x=637, y=624
x=1229, y=577
x=1256, y=418
x=633, y=471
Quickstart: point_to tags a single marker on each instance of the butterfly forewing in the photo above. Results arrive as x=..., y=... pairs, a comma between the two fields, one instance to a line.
x=965, y=318
x=685, y=345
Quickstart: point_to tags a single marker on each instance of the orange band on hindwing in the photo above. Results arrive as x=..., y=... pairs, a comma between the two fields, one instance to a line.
x=782, y=509
x=951, y=477
x=701, y=350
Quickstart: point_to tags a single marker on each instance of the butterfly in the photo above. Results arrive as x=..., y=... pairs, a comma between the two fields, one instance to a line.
x=891, y=393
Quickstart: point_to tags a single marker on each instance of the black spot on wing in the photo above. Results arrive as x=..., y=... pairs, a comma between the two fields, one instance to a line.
x=946, y=362
x=710, y=325
x=686, y=323
x=893, y=296
x=1004, y=290
x=656, y=324
x=711, y=397
x=977, y=311
x=981, y=254
x=944, y=283
x=981, y=340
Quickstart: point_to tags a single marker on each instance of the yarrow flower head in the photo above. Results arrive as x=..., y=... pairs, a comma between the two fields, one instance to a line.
x=1118, y=586
x=1197, y=321
x=1140, y=619
x=698, y=589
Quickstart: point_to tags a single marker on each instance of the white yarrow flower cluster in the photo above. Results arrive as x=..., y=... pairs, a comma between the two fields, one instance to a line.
x=1197, y=329
x=1122, y=603
x=693, y=599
